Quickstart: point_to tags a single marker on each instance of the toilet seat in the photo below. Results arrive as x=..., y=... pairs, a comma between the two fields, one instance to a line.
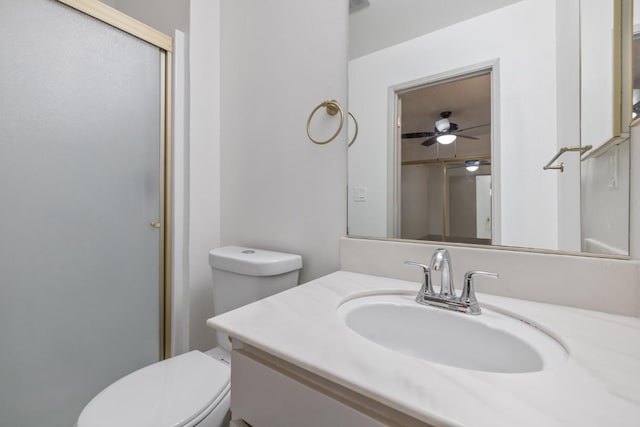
x=177, y=392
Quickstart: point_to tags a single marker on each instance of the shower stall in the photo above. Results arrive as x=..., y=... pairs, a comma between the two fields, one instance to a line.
x=83, y=195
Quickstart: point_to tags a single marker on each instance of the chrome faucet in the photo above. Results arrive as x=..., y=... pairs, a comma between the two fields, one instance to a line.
x=446, y=298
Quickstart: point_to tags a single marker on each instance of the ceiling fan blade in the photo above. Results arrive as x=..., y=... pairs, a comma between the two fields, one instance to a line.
x=466, y=136
x=474, y=127
x=429, y=142
x=417, y=135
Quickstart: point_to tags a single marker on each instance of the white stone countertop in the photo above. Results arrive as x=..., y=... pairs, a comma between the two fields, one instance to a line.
x=599, y=384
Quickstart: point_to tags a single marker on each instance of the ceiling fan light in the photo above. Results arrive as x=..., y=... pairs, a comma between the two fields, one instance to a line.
x=446, y=139
x=472, y=165
x=443, y=125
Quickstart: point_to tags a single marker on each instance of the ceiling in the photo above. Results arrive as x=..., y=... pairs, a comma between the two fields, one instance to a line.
x=468, y=100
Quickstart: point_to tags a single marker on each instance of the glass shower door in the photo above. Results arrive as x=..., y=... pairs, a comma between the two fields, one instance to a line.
x=80, y=183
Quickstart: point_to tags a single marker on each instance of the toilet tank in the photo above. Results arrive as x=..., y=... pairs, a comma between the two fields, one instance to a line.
x=243, y=275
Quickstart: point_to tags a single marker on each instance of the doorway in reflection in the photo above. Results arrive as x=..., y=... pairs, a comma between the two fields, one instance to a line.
x=445, y=160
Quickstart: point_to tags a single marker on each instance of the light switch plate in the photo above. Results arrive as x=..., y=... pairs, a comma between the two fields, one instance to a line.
x=359, y=194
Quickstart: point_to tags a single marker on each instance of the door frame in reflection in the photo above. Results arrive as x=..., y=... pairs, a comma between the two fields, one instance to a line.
x=396, y=163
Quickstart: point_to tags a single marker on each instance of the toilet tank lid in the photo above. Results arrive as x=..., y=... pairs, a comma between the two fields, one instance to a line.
x=253, y=262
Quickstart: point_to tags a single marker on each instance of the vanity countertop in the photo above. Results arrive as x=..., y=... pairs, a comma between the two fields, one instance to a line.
x=598, y=385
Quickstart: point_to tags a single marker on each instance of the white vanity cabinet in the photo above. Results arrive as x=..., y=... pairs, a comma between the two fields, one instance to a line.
x=268, y=392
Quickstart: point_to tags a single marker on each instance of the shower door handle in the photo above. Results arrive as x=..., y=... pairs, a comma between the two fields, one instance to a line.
x=154, y=224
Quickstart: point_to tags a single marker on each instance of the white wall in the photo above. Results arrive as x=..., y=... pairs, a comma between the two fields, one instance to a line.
x=204, y=177
x=605, y=201
x=522, y=36
x=406, y=19
x=181, y=302
x=280, y=191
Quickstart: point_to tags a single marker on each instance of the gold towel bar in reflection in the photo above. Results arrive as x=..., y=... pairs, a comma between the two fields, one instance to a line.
x=355, y=133
x=563, y=150
x=332, y=107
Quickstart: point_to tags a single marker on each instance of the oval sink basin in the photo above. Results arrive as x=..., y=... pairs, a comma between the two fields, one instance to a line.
x=491, y=341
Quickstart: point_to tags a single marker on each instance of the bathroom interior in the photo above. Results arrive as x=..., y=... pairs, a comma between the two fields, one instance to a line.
x=152, y=151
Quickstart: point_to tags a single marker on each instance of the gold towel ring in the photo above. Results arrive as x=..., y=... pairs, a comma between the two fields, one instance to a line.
x=332, y=108
x=355, y=134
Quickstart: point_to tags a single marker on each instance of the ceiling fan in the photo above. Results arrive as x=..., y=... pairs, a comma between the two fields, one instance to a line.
x=471, y=165
x=444, y=132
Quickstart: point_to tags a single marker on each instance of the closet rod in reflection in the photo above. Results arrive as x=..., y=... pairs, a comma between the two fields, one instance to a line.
x=445, y=160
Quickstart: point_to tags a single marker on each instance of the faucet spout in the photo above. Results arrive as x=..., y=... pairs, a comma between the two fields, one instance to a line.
x=441, y=261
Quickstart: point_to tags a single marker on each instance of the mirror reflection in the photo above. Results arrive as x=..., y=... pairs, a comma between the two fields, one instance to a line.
x=404, y=183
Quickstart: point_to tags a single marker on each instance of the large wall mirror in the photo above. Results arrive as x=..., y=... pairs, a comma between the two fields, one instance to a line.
x=500, y=122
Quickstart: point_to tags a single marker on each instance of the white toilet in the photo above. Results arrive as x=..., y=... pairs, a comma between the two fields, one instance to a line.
x=192, y=389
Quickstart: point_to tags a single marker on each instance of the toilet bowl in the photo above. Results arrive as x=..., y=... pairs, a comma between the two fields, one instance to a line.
x=193, y=389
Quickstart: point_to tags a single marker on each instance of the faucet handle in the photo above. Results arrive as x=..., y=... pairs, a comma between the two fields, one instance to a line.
x=471, y=274
x=424, y=267
x=468, y=295
x=427, y=287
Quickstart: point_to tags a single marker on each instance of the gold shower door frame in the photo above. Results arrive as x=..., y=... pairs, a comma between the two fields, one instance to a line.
x=123, y=22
